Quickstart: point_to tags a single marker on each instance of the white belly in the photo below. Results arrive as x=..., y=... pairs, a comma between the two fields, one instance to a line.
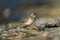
x=29, y=22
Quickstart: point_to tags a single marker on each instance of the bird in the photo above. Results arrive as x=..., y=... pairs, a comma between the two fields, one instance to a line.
x=29, y=20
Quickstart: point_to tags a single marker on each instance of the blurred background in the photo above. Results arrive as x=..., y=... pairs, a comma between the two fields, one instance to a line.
x=15, y=10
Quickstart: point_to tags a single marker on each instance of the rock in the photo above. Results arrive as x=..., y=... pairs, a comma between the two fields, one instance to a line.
x=46, y=22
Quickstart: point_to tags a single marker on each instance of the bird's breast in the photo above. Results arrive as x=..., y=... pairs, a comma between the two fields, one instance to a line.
x=29, y=21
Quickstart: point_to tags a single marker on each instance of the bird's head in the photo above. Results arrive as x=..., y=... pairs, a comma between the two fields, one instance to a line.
x=33, y=14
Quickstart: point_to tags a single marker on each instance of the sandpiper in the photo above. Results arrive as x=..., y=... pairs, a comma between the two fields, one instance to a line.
x=29, y=20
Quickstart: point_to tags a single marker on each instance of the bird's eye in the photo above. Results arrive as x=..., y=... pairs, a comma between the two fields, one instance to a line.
x=34, y=13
